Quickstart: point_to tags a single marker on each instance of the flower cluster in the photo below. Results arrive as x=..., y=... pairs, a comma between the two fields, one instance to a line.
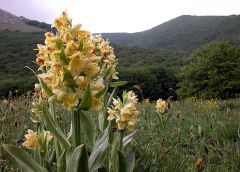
x=73, y=60
x=162, y=106
x=34, y=140
x=213, y=102
x=124, y=112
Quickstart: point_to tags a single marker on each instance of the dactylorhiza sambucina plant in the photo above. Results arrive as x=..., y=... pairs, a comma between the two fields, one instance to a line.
x=76, y=71
x=124, y=113
x=162, y=106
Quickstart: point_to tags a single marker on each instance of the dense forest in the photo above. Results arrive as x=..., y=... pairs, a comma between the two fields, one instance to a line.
x=153, y=70
x=16, y=52
x=151, y=59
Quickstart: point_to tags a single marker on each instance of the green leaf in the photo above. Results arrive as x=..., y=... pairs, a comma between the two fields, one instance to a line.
x=102, y=92
x=117, y=84
x=46, y=88
x=114, y=151
x=127, y=139
x=53, y=127
x=86, y=102
x=79, y=160
x=59, y=43
x=63, y=58
x=80, y=46
x=88, y=128
x=99, y=151
x=122, y=162
x=24, y=159
x=113, y=95
x=106, y=72
x=130, y=161
x=68, y=78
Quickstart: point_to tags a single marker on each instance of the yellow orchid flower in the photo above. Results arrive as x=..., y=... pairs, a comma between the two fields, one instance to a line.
x=67, y=37
x=161, y=106
x=96, y=104
x=111, y=113
x=70, y=48
x=75, y=30
x=56, y=68
x=60, y=94
x=91, y=69
x=130, y=126
x=41, y=58
x=124, y=112
x=121, y=125
x=117, y=103
x=55, y=55
x=49, y=78
x=82, y=34
x=73, y=55
x=47, y=135
x=50, y=38
x=70, y=101
x=76, y=65
x=98, y=85
x=31, y=140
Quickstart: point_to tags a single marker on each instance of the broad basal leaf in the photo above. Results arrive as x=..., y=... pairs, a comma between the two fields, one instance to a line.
x=24, y=159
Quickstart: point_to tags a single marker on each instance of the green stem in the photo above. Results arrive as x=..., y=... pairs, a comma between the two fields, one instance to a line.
x=42, y=159
x=56, y=144
x=121, y=142
x=58, y=154
x=76, y=127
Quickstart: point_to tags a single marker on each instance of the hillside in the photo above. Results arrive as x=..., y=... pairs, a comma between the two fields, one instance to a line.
x=16, y=52
x=11, y=22
x=150, y=59
x=184, y=32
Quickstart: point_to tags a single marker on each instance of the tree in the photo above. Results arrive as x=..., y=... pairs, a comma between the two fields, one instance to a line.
x=155, y=81
x=213, y=72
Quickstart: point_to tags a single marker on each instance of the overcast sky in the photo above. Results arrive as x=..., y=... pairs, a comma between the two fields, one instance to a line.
x=118, y=15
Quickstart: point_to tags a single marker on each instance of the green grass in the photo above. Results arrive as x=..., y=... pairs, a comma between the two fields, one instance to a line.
x=171, y=142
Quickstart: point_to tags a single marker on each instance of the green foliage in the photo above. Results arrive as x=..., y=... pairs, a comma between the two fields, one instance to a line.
x=153, y=70
x=158, y=144
x=191, y=129
x=24, y=159
x=213, y=72
x=154, y=81
x=16, y=52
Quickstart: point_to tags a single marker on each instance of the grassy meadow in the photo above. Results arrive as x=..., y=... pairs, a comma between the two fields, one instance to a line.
x=194, y=135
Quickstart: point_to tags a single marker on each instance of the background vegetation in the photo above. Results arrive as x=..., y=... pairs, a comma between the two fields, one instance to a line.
x=153, y=70
x=151, y=59
x=16, y=52
x=213, y=72
x=192, y=129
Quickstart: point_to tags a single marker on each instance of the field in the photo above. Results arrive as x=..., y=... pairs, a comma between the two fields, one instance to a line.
x=194, y=135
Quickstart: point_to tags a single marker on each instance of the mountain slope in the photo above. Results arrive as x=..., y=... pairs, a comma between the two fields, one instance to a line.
x=11, y=22
x=184, y=32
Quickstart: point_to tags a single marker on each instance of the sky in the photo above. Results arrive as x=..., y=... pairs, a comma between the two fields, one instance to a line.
x=118, y=15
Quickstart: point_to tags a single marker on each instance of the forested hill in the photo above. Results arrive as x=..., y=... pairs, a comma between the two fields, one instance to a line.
x=150, y=59
x=185, y=32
